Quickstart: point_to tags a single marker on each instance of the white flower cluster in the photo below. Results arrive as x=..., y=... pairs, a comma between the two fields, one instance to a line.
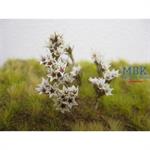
x=102, y=85
x=59, y=84
x=100, y=62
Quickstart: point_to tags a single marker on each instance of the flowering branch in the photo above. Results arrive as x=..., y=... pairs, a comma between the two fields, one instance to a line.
x=62, y=75
x=102, y=83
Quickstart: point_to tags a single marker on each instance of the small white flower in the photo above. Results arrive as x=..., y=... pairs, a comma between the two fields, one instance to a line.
x=97, y=81
x=55, y=45
x=75, y=71
x=43, y=60
x=47, y=61
x=57, y=52
x=64, y=58
x=61, y=63
x=56, y=40
x=52, y=37
x=61, y=106
x=105, y=65
x=46, y=88
x=60, y=40
x=55, y=75
x=56, y=71
x=50, y=61
x=68, y=48
x=52, y=91
x=107, y=89
x=97, y=58
x=71, y=102
x=70, y=91
x=68, y=100
x=109, y=75
x=101, y=84
x=93, y=80
x=43, y=87
x=74, y=90
x=67, y=78
x=68, y=96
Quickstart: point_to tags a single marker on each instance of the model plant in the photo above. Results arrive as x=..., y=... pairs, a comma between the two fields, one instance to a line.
x=101, y=84
x=63, y=76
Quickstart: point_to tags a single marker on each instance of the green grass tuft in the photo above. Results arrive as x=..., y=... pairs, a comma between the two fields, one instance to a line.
x=21, y=108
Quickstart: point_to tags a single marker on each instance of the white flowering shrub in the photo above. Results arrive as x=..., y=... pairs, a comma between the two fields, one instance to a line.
x=63, y=77
x=106, y=75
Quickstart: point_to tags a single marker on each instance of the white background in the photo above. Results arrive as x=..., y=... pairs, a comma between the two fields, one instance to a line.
x=114, y=38
x=75, y=9
x=74, y=141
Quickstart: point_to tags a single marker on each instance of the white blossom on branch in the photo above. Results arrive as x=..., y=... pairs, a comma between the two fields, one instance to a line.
x=61, y=84
x=111, y=74
x=102, y=83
